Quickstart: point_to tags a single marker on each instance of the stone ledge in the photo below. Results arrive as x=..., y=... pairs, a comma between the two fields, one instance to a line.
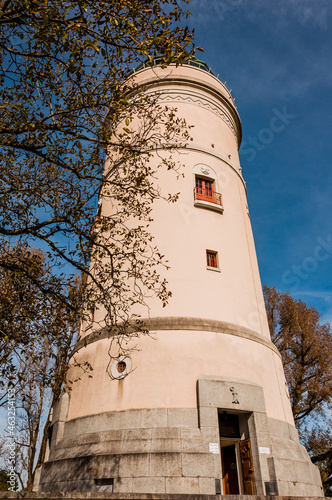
x=184, y=323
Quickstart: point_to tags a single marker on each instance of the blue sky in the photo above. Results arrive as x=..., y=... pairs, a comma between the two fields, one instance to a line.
x=277, y=59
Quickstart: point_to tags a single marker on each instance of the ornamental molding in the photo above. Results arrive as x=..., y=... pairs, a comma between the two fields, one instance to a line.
x=199, y=100
x=235, y=395
x=205, y=170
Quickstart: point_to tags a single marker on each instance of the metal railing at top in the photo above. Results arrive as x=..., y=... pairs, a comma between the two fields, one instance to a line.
x=197, y=64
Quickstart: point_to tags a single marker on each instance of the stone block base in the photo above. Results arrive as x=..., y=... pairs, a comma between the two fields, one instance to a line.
x=162, y=460
x=177, y=451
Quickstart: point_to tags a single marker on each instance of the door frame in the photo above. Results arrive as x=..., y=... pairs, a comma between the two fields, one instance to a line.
x=228, y=394
x=233, y=442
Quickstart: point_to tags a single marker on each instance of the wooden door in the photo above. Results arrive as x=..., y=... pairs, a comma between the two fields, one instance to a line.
x=247, y=468
x=204, y=190
x=229, y=471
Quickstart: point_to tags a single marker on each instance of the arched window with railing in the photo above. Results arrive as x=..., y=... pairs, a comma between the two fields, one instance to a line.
x=206, y=194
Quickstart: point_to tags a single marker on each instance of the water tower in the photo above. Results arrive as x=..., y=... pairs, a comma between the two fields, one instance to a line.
x=206, y=409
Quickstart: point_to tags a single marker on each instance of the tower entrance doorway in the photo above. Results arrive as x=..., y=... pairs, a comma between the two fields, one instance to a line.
x=236, y=458
x=230, y=478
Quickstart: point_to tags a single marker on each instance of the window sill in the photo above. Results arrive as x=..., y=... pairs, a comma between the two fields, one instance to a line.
x=209, y=205
x=216, y=269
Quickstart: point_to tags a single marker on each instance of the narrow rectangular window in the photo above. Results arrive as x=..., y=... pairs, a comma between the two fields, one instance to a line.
x=199, y=186
x=208, y=189
x=211, y=258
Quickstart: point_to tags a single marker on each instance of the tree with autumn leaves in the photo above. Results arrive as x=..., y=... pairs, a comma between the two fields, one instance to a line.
x=37, y=333
x=306, y=349
x=67, y=107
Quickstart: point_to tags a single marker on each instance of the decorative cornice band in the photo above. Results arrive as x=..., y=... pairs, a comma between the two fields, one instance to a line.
x=186, y=89
x=206, y=91
x=201, y=101
x=185, y=323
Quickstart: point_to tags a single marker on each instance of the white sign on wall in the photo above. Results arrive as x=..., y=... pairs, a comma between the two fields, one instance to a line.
x=264, y=450
x=214, y=448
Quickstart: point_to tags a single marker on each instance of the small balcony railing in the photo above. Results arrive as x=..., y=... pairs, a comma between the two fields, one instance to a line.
x=207, y=195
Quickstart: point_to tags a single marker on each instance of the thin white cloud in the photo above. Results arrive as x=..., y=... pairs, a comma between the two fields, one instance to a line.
x=308, y=13
x=278, y=37
x=320, y=294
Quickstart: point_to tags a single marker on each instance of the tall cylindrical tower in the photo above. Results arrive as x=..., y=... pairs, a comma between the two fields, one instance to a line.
x=206, y=409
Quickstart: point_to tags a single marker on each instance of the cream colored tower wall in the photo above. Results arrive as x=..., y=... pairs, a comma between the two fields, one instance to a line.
x=236, y=295
x=167, y=368
x=209, y=350
x=184, y=232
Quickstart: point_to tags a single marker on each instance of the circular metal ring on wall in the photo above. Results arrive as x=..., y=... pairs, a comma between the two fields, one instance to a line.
x=120, y=367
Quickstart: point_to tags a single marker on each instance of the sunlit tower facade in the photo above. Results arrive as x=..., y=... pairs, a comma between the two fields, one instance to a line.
x=203, y=407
